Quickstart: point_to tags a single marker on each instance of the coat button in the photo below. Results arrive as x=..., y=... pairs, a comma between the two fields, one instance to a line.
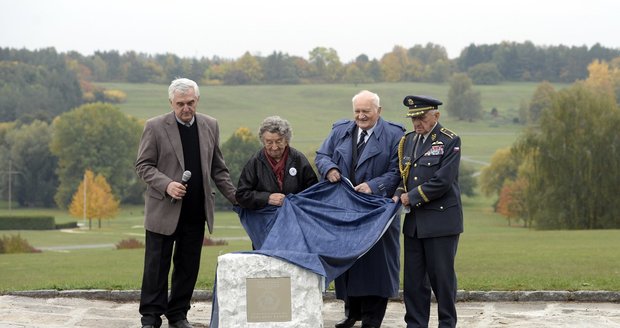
x=415, y=164
x=441, y=208
x=429, y=164
x=415, y=178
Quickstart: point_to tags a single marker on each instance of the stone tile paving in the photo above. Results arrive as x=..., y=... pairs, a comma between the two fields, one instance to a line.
x=30, y=312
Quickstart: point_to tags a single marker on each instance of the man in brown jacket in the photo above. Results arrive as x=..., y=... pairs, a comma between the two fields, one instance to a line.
x=175, y=209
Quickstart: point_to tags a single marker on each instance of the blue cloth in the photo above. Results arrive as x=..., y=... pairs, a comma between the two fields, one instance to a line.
x=323, y=229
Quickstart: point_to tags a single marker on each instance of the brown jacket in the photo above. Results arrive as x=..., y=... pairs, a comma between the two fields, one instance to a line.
x=160, y=161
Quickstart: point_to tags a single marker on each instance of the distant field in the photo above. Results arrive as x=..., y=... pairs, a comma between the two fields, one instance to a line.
x=491, y=255
x=312, y=109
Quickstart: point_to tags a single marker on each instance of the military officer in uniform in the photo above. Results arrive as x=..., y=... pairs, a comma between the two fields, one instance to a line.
x=429, y=160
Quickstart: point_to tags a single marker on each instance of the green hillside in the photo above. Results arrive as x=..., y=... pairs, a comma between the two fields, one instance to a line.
x=312, y=109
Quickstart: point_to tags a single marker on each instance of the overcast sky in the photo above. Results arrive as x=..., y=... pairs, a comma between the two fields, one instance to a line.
x=229, y=28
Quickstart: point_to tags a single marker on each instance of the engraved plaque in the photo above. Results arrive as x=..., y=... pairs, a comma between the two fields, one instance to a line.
x=268, y=299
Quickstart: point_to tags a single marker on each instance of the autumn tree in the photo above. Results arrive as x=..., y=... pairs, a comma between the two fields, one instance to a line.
x=217, y=72
x=99, y=137
x=600, y=79
x=394, y=64
x=504, y=166
x=512, y=202
x=575, y=157
x=94, y=199
x=245, y=70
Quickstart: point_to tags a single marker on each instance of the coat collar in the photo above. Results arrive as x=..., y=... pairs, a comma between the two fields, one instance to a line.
x=429, y=141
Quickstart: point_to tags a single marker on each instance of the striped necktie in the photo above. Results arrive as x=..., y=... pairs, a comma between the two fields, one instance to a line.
x=361, y=142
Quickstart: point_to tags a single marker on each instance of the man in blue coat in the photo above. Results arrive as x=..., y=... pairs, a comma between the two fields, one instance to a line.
x=365, y=151
x=429, y=160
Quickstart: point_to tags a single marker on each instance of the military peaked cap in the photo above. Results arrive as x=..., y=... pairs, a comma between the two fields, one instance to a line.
x=418, y=105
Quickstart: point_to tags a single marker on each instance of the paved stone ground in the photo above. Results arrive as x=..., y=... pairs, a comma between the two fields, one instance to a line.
x=120, y=309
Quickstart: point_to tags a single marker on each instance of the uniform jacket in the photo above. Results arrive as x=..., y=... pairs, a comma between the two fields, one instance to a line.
x=160, y=161
x=375, y=273
x=257, y=180
x=432, y=184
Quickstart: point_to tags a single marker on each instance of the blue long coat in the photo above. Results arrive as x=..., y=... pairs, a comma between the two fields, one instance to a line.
x=375, y=273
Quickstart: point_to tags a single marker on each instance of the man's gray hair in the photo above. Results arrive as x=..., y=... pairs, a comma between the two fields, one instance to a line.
x=183, y=85
x=276, y=124
x=373, y=96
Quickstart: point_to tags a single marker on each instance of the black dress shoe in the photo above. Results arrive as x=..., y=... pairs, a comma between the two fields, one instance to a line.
x=180, y=324
x=346, y=323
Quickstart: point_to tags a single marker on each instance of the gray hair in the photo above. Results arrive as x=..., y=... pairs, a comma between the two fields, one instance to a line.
x=373, y=97
x=183, y=85
x=276, y=124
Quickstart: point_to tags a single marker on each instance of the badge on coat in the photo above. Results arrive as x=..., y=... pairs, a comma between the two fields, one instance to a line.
x=292, y=171
x=436, y=150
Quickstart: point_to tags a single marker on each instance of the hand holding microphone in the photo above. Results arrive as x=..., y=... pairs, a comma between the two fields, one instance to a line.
x=186, y=176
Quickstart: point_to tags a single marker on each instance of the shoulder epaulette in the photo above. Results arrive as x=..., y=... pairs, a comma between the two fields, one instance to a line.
x=340, y=122
x=400, y=126
x=449, y=133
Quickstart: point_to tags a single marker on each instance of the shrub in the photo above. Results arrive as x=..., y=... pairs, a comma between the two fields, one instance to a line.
x=211, y=242
x=16, y=244
x=130, y=243
x=68, y=225
x=115, y=96
x=30, y=222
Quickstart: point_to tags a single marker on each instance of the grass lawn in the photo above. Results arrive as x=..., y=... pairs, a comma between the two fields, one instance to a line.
x=492, y=256
x=495, y=256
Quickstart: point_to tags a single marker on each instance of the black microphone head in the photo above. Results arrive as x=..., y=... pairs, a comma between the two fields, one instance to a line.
x=186, y=176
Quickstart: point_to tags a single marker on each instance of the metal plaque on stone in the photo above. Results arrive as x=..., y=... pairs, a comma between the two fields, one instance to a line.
x=268, y=299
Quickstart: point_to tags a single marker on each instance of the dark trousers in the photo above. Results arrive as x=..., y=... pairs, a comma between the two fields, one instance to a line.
x=429, y=264
x=183, y=249
x=370, y=309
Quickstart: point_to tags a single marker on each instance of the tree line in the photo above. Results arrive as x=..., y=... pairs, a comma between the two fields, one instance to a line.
x=486, y=63
x=564, y=170
x=41, y=84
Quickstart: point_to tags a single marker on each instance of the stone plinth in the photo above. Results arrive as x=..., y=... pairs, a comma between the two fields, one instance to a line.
x=260, y=291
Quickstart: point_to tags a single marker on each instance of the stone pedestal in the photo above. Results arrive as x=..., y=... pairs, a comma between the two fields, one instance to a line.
x=260, y=291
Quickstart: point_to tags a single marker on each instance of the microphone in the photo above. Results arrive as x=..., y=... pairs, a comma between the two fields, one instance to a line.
x=186, y=176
